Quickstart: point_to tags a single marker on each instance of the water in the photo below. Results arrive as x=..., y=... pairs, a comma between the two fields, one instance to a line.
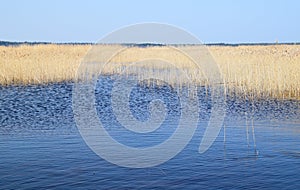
x=41, y=147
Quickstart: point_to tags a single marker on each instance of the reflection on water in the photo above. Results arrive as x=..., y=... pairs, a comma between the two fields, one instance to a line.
x=40, y=146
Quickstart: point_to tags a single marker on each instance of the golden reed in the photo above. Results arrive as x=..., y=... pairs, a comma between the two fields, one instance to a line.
x=260, y=71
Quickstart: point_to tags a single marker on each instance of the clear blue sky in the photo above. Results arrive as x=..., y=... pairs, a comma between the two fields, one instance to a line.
x=211, y=21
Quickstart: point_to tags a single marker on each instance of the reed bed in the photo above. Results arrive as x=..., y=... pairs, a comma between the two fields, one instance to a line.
x=270, y=71
x=39, y=64
x=257, y=71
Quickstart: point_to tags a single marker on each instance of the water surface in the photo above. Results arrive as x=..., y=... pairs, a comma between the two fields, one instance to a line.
x=41, y=147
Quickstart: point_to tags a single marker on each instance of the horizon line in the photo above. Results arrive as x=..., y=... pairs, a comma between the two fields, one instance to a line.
x=17, y=43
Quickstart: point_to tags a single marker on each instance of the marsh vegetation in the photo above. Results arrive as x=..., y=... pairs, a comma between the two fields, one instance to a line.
x=260, y=71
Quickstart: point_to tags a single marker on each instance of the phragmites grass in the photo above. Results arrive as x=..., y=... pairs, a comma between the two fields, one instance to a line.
x=38, y=64
x=257, y=71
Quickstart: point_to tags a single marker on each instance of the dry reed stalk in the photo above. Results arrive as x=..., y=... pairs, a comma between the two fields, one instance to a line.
x=263, y=71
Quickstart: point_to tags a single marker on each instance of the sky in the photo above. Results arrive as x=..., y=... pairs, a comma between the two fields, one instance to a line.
x=211, y=21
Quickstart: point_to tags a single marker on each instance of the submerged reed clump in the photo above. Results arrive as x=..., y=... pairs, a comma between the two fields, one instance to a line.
x=256, y=71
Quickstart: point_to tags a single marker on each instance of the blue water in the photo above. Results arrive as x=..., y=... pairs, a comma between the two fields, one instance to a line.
x=40, y=146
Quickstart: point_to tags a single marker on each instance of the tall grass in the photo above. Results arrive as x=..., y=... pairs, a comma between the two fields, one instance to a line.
x=261, y=70
x=257, y=71
x=39, y=63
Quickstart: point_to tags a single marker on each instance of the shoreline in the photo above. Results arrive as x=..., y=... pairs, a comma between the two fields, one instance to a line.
x=18, y=43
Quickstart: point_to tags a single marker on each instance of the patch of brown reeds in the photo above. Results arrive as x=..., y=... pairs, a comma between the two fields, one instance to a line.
x=271, y=71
